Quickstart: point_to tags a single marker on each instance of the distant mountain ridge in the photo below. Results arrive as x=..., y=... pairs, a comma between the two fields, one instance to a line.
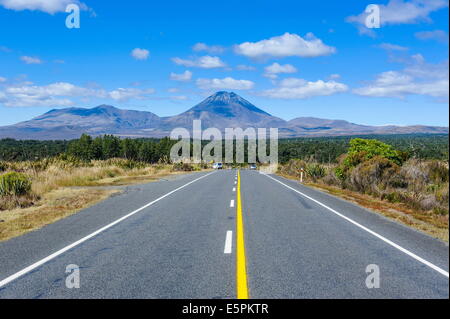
x=220, y=110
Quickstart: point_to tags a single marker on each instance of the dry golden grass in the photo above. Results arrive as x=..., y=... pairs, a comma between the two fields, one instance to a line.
x=428, y=222
x=55, y=177
x=53, y=206
x=62, y=190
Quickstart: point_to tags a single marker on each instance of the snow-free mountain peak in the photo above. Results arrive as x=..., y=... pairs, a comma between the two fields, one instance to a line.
x=221, y=110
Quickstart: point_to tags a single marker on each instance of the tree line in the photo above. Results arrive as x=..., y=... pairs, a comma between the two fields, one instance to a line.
x=151, y=150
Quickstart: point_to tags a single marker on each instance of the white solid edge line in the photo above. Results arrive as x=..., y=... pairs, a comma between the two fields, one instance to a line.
x=232, y=203
x=423, y=261
x=63, y=250
x=228, y=242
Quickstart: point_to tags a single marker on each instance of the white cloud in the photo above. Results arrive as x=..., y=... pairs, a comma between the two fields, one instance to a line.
x=213, y=49
x=125, y=94
x=183, y=77
x=2, y=79
x=438, y=35
x=49, y=6
x=227, y=83
x=60, y=94
x=48, y=95
x=31, y=60
x=294, y=88
x=140, y=54
x=272, y=70
x=417, y=78
x=173, y=90
x=286, y=45
x=205, y=62
x=243, y=67
x=392, y=47
x=400, y=12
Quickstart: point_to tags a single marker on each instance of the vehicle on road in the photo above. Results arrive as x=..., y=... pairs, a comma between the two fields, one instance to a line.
x=218, y=166
x=252, y=166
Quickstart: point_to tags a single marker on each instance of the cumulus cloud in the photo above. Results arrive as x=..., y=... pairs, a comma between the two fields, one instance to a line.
x=294, y=88
x=213, y=49
x=400, y=12
x=140, y=54
x=61, y=94
x=437, y=35
x=183, y=77
x=227, y=83
x=204, y=62
x=286, y=45
x=31, y=60
x=417, y=78
x=48, y=6
x=272, y=70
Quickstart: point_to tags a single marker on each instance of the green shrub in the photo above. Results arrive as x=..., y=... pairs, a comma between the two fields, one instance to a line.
x=340, y=173
x=393, y=197
x=15, y=184
x=315, y=171
x=361, y=150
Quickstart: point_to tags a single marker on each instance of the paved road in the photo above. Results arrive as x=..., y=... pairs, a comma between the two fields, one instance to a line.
x=177, y=239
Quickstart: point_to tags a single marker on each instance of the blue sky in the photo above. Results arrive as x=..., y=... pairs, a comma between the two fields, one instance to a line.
x=290, y=58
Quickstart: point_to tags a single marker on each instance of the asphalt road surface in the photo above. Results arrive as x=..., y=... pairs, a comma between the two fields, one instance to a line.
x=214, y=235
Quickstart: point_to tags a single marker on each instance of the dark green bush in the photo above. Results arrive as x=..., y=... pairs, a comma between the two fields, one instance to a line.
x=363, y=149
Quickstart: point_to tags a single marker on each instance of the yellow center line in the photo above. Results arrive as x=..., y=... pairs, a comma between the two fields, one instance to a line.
x=241, y=267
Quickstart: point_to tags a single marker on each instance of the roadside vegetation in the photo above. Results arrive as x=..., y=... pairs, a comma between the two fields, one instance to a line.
x=375, y=175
